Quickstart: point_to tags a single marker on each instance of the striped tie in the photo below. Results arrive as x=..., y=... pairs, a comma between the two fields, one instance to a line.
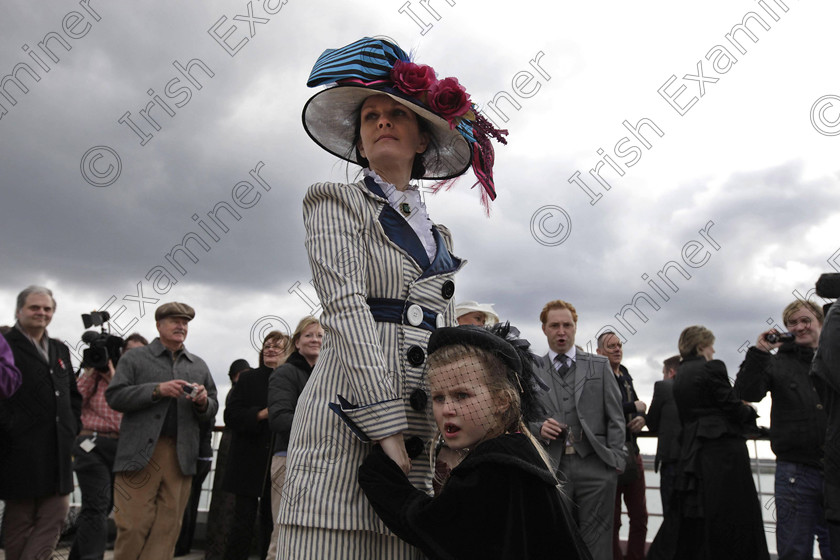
x=563, y=364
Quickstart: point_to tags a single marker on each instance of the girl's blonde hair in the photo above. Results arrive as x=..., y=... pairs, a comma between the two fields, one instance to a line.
x=502, y=383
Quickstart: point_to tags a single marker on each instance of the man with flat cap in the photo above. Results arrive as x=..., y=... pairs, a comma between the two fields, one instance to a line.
x=163, y=391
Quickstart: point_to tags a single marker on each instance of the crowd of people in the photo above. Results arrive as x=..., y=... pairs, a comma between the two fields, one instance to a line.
x=134, y=435
x=382, y=429
x=139, y=438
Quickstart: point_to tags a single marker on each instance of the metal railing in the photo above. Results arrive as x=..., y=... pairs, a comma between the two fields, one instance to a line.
x=763, y=473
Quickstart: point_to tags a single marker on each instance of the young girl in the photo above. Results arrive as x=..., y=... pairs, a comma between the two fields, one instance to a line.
x=502, y=500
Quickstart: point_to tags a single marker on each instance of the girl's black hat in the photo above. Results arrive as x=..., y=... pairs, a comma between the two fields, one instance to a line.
x=501, y=340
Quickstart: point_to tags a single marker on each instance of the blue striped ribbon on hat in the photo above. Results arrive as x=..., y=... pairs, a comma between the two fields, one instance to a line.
x=367, y=60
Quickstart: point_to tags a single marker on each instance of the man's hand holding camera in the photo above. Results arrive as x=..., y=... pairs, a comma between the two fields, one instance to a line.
x=177, y=387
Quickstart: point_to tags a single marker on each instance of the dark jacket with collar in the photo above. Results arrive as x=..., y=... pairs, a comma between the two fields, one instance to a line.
x=500, y=502
x=663, y=419
x=707, y=403
x=797, y=417
x=130, y=392
x=250, y=444
x=628, y=397
x=284, y=388
x=826, y=369
x=39, y=423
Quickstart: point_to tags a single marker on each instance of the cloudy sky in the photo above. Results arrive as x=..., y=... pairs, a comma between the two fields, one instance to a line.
x=728, y=181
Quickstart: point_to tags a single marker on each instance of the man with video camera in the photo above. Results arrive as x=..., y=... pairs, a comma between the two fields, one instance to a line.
x=826, y=368
x=797, y=426
x=96, y=445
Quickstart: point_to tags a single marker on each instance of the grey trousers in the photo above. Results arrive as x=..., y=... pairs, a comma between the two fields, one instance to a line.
x=32, y=526
x=590, y=485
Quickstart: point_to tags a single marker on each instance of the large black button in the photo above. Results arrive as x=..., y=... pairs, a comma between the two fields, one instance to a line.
x=448, y=289
x=414, y=447
x=416, y=356
x=418, y=399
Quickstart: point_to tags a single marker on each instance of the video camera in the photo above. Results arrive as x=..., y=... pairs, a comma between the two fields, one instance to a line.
x=828, y=287
x=102, y=346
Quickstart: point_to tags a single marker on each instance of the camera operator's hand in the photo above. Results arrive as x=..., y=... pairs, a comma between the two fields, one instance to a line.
x=109, y=375
x=763, y=344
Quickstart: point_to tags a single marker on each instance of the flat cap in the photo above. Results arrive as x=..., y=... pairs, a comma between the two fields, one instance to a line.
x=174, y=309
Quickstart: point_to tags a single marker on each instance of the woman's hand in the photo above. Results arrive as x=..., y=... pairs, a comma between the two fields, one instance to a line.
x=394, y=447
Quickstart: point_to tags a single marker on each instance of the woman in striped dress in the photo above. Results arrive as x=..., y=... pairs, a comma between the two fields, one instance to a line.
x=384, y=275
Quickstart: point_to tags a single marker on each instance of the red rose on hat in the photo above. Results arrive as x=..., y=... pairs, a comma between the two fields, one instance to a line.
x=449, y=99
x=413, y=79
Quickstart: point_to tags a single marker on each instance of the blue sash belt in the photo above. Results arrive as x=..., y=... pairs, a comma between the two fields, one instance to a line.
x=387, y=310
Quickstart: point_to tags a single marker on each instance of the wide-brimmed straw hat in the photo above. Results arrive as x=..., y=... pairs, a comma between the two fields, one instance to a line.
x=460, y=135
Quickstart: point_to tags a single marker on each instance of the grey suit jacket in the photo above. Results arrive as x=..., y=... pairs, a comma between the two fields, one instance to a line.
x=130, y=392
x=598, y=403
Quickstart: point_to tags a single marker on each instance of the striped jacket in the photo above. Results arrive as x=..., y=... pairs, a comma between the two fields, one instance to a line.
x=375, y=283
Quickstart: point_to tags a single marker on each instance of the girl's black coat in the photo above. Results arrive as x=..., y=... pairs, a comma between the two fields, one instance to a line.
x=500, y=502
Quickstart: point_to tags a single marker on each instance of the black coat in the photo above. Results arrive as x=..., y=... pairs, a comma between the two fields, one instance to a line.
x=797, y=418
x=826, y=368
x=500, y=502
x=250, y=446
x=284, y=388
x=664, y=421
x=715, y=513
x=39, y=423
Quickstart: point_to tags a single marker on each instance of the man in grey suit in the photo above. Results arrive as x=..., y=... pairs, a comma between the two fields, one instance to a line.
x=584, y=426
x=663, y=419
x=163, y=391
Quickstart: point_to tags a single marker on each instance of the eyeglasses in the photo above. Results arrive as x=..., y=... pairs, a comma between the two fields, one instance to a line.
x=804, y=321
